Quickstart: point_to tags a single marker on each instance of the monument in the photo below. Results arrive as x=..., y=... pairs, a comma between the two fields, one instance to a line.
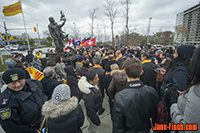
x=57, y=33
x=59, y=36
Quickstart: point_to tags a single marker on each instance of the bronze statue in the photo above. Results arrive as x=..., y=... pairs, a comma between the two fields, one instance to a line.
x=56, y=32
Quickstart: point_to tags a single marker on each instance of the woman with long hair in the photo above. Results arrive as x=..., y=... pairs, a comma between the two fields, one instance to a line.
x=187, y=109
x=178, y=71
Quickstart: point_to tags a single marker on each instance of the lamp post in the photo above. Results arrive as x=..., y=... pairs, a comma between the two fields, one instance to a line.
x=75, y=32
x=148, y=30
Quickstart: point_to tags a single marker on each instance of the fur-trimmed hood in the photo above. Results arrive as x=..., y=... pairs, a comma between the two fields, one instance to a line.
x=119, y=76
x=50, y=110
x=85, y=86
x=116, y=71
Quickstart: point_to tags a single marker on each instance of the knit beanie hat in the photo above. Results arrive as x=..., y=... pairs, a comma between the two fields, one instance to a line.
x=61, y=93
x=13, y=74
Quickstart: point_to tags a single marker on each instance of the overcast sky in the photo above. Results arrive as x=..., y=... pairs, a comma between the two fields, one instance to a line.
x=163, y=13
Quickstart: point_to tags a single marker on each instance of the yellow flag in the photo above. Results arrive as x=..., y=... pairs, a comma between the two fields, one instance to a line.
x=37, y=74
x=30, y=70
x=12, y=9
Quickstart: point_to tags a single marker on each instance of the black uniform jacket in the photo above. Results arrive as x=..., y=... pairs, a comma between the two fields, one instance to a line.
x=20, y=111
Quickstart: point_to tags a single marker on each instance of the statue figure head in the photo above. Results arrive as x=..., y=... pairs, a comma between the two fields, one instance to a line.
x=51, y=19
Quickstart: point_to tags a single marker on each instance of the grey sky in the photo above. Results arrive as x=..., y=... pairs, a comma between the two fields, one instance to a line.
x=163, y=13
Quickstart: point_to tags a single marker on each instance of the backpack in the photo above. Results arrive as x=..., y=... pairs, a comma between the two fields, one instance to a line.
x=162, y=112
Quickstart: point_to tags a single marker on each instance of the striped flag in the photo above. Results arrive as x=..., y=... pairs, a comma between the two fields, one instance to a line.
x=35, y=74
x=12, y=9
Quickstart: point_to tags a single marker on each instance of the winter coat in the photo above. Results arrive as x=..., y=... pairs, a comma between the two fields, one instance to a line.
x=49, y=85
x=149, y=75
x=84, y=71
x=67, y=117
x=10, y=63
x=92, y=99
x=78, y=69
x=60, y=70
x=104, y=62
x=187, y=109
x=117, y=83
x=72, y=81
x=178, y=77
x=36, y=63
x=29, y=58
x=133, y=108
x=22, y=109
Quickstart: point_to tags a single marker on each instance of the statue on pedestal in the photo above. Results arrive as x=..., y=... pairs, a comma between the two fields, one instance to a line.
x=57, y=33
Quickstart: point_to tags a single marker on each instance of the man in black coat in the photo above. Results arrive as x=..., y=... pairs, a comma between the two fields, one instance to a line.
x=20, y=103
x=92, y=99
x=143, y=100
x=149, y=68
x=49, y=82
x=29, y=57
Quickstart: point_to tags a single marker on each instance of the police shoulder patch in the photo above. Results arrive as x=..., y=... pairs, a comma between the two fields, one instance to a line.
x=5, y=113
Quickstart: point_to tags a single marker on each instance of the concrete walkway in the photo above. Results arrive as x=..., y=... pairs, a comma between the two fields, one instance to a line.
x=106, y=123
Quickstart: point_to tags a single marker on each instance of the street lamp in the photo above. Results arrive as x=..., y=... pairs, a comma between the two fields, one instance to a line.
x=148, y=30
x=75, y=32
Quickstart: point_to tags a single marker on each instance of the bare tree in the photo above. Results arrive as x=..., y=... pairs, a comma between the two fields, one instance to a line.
x=92, y=16
x=126, y=4
x=182, y=32
x=75, y=31
x=111, y=12
x=167, y=37
x=99, y=33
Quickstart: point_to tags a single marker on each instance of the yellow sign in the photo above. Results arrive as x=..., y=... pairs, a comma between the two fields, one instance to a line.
x=3, y=37
x=11, y=38
x=35, y=29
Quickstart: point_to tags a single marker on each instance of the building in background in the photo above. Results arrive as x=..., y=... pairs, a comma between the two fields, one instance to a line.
x=187, y=29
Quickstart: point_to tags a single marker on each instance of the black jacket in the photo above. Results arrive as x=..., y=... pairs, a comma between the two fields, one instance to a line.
x=66, y=117
x=22, y=108
x=149, y=75
x=72, y=81
x=29, y=58
x=178, y=77
x=133, y=108
x=49, y=85
x=92, y=99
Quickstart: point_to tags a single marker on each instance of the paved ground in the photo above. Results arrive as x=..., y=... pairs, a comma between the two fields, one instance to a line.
x=106, y=123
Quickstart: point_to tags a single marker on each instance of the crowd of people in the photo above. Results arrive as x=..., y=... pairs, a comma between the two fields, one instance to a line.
x=133, y=78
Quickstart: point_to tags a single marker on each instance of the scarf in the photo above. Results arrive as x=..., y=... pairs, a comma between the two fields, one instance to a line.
x=146, y=61
x=119, y=56
x=80, y=63
x=97, y=66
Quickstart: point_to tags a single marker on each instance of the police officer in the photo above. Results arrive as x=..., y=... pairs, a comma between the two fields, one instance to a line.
x=20, y=103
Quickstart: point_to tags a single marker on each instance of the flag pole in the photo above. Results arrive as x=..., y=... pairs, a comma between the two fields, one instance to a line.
x=25, y=26
x=38, y=34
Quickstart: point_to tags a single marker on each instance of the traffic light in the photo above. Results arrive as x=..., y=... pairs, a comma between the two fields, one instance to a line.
x=11, y=38
x=3, y=37
x=35, y=29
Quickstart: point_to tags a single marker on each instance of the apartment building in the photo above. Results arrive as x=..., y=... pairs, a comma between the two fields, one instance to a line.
x=188, y=26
